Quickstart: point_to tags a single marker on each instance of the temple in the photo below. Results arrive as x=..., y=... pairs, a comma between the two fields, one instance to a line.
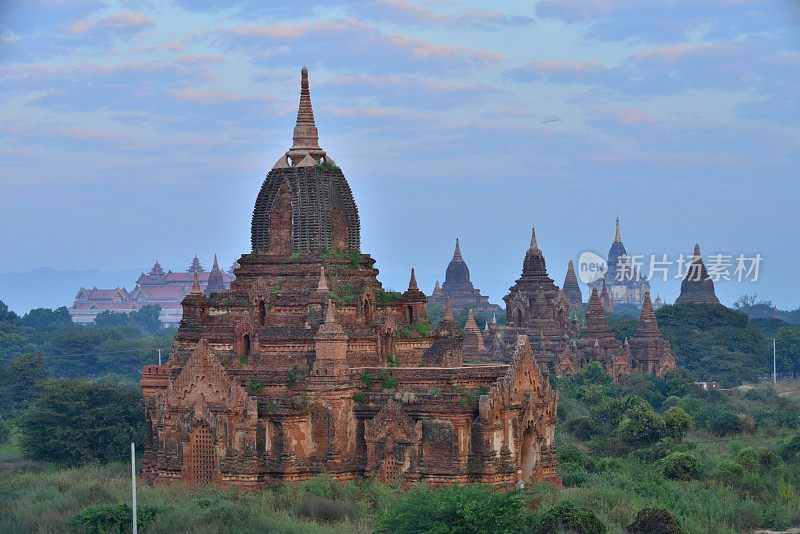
x=458, y=289
x=164, y=288
x=539, y=310
x=306, y=365
x=697, y=287
x=625, y=284
x=571, y=288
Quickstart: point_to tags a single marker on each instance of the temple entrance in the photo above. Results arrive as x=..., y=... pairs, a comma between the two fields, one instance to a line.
x=519, y=317
x=529, y=455
x=201, y=456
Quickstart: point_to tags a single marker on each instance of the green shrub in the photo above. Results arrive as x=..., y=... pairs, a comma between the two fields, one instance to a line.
x=253, y=386
x=566, y=517
x=102, y=518
x=729, y=473
x=387, y=297
x=424, y=329
x=572, y=474
x=295, y=256
x=391, y=361
x=682, y=466
x=790, y=449
x=294, y=375
x=325, y=509
x=403, y=332
x=570, y=453
x=768, y=459
x=641, y=426
x=366, y=379
x=748, y=459
x=5, y=431
x=654, y=521
x=677, y=423
x=472, y=508
x=359, y=396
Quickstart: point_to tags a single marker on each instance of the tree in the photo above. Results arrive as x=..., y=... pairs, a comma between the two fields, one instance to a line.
x=75, y=421
x=6, y=315
x=146, y=318
x=640, y=426
x=682, y=466
x=677, y=423
x=714, y=342
x=566, y=517
x=21, y=380
x=46, y=318
x=787, y=349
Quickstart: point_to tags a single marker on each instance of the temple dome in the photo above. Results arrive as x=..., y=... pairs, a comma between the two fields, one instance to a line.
x=305, y=203
x=457, y=274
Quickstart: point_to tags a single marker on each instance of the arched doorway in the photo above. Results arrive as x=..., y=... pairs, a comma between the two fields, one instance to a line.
x=201, y=456
x=529, y=455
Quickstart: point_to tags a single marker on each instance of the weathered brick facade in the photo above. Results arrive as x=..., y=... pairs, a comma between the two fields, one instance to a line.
x=307, y=365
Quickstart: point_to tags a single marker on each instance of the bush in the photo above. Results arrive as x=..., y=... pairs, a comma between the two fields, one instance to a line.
x=572, y=474
x=472, y=508
x=5, y=431
x=102, y=518
x=729, y=473
x=654, y=521
x=569, y=453
x=790, y=450
x=677, y=423
x=748, y=459
x=719, y=420
x=682, y=466
x=641, y=426
x=566, y=517
x=326, y=509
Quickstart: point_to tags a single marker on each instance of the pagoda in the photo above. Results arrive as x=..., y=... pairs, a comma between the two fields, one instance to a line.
x=650, y=352
x=625, y=284
x=306, y=365
x=571, y=288
x=459, y=290
x=697, y=286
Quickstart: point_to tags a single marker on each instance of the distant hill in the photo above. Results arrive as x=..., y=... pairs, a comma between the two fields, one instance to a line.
x=50, y=288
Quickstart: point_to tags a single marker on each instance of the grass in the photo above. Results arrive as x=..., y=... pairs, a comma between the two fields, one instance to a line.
x=46, y=500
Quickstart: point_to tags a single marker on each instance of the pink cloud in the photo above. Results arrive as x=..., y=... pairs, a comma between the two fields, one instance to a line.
x=195, y=59
x=565, y=66
x=210, y=96
x=578, y=10
x=674, y=53
x=400, y=81
x=421, y=48
x=128, y=21
x=625, y=116
x=293, y=31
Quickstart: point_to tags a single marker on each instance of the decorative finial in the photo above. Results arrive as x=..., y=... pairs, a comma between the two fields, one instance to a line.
x=457, y=252
x=196, y=290
x=322, y=286
x=494, y=318
x=412, y=283
x=534, y=244
x=617, y=238
x=305, y=139
x=697, y=250
x=216, y=265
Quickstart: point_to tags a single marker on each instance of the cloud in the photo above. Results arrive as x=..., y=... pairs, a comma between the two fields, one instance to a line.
x=414, y=13
x=560, y=72
x=350, y=43
x=670, y=21
x=118, y=22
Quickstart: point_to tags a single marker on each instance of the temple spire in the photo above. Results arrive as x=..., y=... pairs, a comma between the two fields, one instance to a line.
x=322, y=285
x=215, y=267
x=457, y=252
x=330, y=312
x=412, y=283
x=697, y=250
x=305, y=139
x=534, y=244
x=196, y=289
x=617, y=238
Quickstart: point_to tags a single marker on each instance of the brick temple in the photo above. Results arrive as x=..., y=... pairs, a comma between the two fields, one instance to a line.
x=697, y=287
x=537, y=309
x=306, y=365
x=459, y=290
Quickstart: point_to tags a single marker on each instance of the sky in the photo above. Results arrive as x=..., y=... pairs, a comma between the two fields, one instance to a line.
x=132, y=131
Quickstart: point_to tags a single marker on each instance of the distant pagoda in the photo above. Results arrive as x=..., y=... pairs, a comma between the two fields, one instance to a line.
x=697, y=287
x=459, y=290
x=625, y=284
x=571, y=288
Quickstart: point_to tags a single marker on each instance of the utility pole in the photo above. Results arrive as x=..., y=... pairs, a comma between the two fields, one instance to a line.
x=133, y=485
x=774, y=365
x=159, y=356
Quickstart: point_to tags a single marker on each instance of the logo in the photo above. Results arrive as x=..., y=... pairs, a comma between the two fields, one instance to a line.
x=591, y=267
